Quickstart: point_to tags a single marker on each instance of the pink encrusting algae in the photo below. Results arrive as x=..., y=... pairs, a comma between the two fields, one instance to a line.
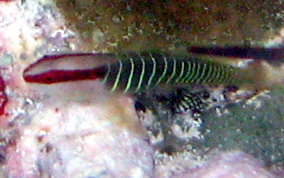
x=6, y=0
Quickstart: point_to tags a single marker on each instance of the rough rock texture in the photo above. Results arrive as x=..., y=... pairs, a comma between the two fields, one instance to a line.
x=168, y=24
x=256, y=128
x=226, y=164
x=78, y=140
x=61, y=130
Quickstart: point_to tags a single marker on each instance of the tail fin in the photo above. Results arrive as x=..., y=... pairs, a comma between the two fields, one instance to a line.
x=261, y=75
x=264, y=70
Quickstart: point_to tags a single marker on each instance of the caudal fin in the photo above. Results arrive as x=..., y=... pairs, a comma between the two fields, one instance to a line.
x=261, y=75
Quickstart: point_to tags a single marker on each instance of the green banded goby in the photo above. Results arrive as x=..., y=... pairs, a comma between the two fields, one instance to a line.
x=133, y=72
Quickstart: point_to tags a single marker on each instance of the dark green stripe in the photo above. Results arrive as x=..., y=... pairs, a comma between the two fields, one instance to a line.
x=142, y=73
x=118, y=75
x=130, y=76
x=206, y=71
x=188, y=71
x=196, y=72
x=181, y=72
x=165, y=69
x=186, y=67
x=201, y=73
x=173, y=71
x=223, y=73
x=218, y=74
x=191, y=73
x=154, y=70
x=107, y=73
x=211, y=73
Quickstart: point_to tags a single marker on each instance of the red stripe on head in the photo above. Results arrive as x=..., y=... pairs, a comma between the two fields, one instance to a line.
x=57, y=76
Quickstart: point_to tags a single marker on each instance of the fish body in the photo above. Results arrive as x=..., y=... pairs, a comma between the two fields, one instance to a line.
x=134, y=72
